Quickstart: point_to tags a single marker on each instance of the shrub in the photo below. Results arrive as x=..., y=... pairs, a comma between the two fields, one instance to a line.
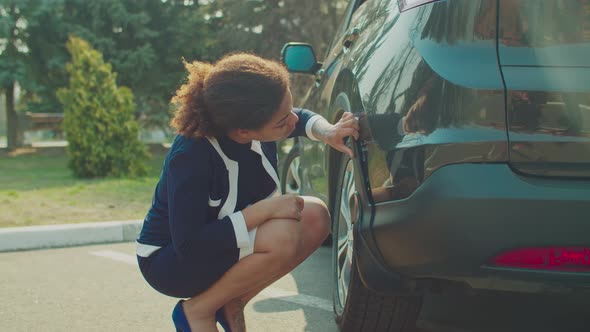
x=99, y=121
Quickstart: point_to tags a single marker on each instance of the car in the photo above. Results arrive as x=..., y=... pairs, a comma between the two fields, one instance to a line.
x=472, y=170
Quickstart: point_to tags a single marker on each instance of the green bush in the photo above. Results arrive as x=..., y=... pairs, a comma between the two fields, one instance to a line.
x=99, y=121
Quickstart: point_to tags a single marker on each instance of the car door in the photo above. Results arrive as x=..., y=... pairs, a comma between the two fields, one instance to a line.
x=432, y=91
x=314, y=153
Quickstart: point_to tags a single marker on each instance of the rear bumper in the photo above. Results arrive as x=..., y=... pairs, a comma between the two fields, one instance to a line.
x=465, y=214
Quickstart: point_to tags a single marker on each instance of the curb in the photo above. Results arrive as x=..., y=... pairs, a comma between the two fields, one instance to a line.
x=59, y=149
x=60, y=236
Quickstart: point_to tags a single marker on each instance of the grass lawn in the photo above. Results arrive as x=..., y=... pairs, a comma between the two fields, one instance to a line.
x=40, y=190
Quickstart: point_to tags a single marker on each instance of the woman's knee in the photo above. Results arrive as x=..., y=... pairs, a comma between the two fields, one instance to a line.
x=316, y=216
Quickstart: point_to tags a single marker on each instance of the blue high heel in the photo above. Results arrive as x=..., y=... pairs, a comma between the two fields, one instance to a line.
x=179, y=318
x=222, y=320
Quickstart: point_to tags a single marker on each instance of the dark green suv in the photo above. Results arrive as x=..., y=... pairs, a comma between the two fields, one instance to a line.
x=473, y=166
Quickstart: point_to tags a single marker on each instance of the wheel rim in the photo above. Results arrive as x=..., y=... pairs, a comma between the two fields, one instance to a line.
x=292, y=180
x=345, y=235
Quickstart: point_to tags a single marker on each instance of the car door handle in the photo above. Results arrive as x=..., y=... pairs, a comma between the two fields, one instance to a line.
x=319, y=75
x=351, y=37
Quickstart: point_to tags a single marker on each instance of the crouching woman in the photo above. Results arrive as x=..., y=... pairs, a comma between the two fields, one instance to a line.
x=218, y=230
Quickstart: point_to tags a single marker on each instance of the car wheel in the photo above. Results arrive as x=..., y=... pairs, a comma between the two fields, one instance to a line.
x=290, y=179
x=356, y=307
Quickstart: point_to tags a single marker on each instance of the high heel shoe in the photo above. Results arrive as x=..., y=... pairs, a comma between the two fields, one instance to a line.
x=222, y=320
x=179, y=318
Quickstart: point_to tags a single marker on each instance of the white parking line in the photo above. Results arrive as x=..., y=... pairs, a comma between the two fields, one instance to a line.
x=116, y=256
x=293, y=297
x=269, y=292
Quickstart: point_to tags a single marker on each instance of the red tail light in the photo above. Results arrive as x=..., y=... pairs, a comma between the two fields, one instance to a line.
x=569, y=259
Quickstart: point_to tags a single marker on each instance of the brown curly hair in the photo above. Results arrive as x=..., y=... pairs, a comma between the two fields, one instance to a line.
x=240, y=91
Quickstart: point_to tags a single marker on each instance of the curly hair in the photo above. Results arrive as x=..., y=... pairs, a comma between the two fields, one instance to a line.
x=240, y=91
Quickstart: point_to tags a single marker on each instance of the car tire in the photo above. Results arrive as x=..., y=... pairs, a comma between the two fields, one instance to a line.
x=357, y=308
x=290, y=179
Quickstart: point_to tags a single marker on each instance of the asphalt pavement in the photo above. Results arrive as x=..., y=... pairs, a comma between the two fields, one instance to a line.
x=100, y=288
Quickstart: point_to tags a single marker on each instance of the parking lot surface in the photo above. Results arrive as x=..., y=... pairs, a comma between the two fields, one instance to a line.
x=100, y=288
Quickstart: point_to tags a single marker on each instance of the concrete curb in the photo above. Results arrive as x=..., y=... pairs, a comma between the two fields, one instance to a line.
x=59, y=236
x=59, y=148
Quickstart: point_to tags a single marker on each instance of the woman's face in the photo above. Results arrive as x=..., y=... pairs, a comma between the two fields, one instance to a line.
x=281, y=124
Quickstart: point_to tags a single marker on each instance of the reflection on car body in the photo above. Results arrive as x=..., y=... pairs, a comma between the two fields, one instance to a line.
x=474, y=146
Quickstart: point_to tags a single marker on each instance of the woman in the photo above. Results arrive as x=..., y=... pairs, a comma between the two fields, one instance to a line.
x=218, y=230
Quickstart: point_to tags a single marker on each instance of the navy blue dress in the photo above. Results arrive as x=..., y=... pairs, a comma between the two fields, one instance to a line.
x=188, y=241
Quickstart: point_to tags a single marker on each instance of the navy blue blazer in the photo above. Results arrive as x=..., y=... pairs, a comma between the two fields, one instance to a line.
x=193, y=186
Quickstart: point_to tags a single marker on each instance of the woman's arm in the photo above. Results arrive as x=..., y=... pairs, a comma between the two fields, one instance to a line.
x=315, y=127
x=188, y=179
x=306, y=120
x=334, y=134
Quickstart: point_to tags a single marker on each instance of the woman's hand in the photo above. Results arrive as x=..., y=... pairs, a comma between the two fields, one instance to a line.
x=280, y=207
x=284, y=207
x=334, y=135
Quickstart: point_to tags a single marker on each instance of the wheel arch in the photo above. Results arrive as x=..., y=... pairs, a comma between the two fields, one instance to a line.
x=345, y=98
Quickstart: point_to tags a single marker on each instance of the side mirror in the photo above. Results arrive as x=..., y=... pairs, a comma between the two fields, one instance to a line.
x=299, y=58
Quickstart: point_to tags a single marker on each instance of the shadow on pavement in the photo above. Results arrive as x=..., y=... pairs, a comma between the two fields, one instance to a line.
x=313, y=279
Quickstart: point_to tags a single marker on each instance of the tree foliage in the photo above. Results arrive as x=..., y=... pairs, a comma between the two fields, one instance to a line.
x=144, y=40
x=263, y=27
x=99, y=118
x=13, y=34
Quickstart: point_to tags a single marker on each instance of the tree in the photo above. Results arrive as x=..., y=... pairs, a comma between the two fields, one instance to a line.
x=263, y=27
x=12, y=59
x=144, y=41
x=99, y=118
x=29, y=58
x=46, y=57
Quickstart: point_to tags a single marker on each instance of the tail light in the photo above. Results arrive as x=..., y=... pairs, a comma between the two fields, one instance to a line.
x=409, y=4
x=567, y=259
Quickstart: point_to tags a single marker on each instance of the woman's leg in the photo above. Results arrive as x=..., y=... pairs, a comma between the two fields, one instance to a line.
x=314, y=228
x=280, y=245
x=276, y=244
